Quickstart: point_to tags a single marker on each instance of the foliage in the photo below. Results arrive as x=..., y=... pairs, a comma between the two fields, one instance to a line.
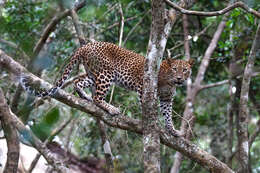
x=22, y=22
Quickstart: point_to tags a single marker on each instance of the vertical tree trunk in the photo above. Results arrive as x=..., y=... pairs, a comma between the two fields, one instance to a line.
x=157, y=42
x=242, y=125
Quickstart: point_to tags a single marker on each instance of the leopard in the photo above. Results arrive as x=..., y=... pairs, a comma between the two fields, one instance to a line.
x=106, y=64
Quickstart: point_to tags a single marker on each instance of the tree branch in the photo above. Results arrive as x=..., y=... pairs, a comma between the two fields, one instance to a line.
x=120, y=38
x=137, y=24
x=36, y=143
x=79, y=32
x=214, y=13
x=213, y=84
x=11, y=137
x=242, y=125
x=12, y=45
x=51, y=26
x=121, y=121
x=178, y=156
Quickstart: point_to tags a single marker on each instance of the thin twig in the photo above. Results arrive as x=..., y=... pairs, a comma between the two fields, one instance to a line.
x=116, y=24
x=121, y=31
x=214, y=84
x=137, y=24
x=34, y=163
x=195, y=37
x=51, y=26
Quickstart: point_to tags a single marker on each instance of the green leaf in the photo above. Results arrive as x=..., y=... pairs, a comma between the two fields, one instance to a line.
x=52, y=116
x=44, y=128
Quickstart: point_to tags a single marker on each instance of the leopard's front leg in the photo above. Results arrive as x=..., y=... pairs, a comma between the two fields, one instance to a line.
x=166, y=110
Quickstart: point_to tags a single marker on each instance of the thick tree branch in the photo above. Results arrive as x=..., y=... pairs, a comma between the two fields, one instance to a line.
x=214, y=13
x=120, y=121
x=242, y=125
x=11, y=137
x=79, y=32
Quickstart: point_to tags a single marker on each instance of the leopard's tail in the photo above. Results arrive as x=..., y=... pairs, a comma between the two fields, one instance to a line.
x=25, y=82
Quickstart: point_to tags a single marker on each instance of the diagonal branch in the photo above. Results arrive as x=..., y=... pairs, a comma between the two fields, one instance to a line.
x=75, y=20
x=214, y=13
x=211, y=85
x=121, y=121
x=51, y=26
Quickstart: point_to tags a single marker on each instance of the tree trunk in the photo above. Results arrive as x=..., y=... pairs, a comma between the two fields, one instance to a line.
x=157, y=42
x=242, y=125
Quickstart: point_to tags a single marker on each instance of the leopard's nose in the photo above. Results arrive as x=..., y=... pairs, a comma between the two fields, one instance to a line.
x=178, y=78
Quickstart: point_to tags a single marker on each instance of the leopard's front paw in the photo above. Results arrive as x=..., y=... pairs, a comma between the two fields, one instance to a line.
x=113, y=110
x=174, y=132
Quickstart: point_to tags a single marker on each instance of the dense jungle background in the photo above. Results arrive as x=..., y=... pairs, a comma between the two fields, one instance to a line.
x=41, y=35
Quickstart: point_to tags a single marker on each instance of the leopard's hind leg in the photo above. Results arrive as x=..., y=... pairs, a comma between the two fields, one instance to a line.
x=81, y=82
x=103, y=83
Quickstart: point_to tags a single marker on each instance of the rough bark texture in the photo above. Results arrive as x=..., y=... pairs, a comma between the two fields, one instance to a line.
x=121, y=121
x=242, y=125
x=10, y=136
x=151, y=138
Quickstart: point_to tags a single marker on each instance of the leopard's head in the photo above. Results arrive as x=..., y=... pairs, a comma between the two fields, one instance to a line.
x=175, y=71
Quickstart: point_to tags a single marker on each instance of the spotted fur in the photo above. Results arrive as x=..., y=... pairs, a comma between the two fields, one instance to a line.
x=106, y=63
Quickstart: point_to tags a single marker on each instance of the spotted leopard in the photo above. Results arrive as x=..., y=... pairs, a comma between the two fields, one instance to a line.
x=106, y=63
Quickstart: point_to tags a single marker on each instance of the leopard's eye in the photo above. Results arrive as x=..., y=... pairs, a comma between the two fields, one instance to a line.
x=184, y=70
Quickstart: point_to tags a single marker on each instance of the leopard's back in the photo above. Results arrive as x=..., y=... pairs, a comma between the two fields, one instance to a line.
x=125, y=67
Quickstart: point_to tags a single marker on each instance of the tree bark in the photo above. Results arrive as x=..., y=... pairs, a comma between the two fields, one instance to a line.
x=193, y=152
x=151, y=138
x=11, y=137
x=242, y=125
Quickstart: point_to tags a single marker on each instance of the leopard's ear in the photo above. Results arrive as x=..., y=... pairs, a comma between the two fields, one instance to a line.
x=191, y=62
x=169, y=60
